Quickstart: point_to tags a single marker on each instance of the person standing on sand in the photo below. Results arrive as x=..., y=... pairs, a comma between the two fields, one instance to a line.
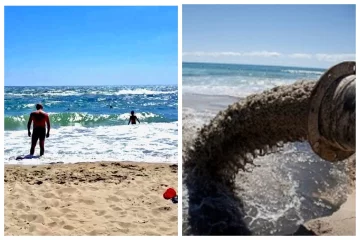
x=133, y=118
x=39, y=118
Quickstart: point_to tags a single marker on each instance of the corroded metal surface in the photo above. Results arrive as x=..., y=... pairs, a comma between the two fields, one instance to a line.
x=331, y=120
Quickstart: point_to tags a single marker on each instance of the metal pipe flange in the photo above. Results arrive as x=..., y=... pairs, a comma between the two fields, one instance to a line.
x=331, y=118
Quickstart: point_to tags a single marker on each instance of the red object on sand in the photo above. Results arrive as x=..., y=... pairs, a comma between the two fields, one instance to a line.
x=169, y=193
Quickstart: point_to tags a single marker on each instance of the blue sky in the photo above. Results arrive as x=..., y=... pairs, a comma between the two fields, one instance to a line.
x=91, y=45
x=290, y=35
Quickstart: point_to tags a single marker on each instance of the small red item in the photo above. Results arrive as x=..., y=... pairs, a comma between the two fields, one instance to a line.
x=169, y=193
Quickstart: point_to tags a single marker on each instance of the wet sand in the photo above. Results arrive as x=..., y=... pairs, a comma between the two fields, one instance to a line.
x=100, y=198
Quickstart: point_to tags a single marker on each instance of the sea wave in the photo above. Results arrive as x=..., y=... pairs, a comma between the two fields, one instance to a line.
x=139, y=91
x=153, y=142
x=302, y=71
x=84, y=119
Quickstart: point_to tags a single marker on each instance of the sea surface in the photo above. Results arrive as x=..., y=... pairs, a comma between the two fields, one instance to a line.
x=289, y=187
x=91, y=123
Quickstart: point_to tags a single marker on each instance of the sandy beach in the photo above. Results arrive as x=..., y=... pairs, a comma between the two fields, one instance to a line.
x=102, y=198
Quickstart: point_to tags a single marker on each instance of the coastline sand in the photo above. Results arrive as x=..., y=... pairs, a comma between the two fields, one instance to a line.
x=101, y=198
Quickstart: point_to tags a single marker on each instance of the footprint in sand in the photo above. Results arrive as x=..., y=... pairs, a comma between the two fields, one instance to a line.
x=100, y=213
x=68, y=227
x=115, y=208
x=52, y=224
x=124, y=224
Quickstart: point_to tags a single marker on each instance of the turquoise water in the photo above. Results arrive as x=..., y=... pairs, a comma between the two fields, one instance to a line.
x=91, y=122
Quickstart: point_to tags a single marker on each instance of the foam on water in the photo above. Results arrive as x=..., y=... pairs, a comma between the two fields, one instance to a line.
x=155, y=142
x=108, y=92
x=240, y=80
x=289, y=190
x=90, y=123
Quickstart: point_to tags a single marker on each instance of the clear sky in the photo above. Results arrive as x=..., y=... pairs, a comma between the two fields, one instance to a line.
x=289, y=35
x=91, y=45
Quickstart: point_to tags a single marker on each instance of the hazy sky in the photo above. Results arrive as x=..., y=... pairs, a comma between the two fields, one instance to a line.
x=91, y=45
x=290, y=35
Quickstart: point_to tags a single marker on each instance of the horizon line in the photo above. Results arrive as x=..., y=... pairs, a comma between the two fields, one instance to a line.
x=107, y=85
x=265, y=65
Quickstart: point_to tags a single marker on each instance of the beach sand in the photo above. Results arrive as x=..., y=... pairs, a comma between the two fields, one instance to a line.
x=102, y=198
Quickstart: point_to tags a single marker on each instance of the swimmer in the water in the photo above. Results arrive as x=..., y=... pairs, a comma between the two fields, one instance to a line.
x=133, y=118
x=39, y=118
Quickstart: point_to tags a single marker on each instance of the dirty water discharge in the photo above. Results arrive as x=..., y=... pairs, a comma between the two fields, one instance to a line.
x=249, y=170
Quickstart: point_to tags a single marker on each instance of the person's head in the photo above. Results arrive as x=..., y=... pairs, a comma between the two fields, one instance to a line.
x=132, y=112
x=39, y=106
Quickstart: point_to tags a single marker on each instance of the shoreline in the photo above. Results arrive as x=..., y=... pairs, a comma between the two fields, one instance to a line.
x=93, y=198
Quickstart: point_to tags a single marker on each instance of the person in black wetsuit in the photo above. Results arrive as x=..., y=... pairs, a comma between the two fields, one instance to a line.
x=133, y=118
x=40, y=121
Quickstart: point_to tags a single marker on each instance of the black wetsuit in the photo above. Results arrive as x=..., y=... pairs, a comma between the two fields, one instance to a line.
x=133, y=119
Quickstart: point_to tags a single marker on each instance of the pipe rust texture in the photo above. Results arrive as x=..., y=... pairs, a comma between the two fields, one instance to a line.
x=337, y=114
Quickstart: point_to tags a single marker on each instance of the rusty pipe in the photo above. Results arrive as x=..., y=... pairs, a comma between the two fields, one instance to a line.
x=331, y=117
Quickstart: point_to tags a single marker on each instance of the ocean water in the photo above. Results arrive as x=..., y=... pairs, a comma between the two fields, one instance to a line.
x=90, y=123
x=289, y=187
x=240, y=80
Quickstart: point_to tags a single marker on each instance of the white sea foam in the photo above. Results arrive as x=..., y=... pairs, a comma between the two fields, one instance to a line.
x=302, y=71
x=139, y=91
x=155, y=142
x=230, y=85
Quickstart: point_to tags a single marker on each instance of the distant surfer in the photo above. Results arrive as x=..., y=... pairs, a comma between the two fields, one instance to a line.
x=133, y=118
x=39, y=118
